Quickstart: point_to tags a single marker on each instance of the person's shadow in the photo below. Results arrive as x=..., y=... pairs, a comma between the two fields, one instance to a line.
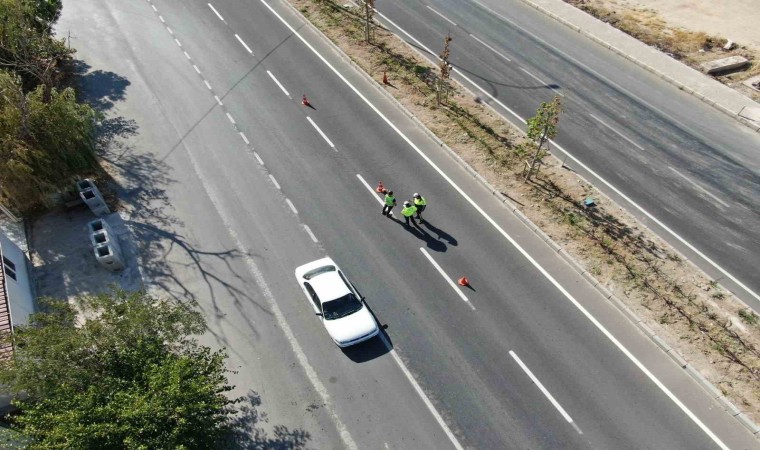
x=432, y=243
x=440, y=233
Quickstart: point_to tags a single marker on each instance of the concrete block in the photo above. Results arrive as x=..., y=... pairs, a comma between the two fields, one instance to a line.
x=104, y=237
x=709, y=387
x=83, y=185
x=95, y=202
x=590, y=278
x=753, y=83
x=678, y=358
x=724, y=65
x=729, y=406
x=97, y=225
x=749, y=423
x=661, y=343
x=108, y=258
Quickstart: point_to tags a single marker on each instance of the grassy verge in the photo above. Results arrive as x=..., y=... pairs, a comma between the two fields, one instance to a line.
x=684, y=307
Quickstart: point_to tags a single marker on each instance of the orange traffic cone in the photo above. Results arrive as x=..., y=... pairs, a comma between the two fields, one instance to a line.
x=305, y=101
x=380, y=188
x=463, y=281
x=385, y=78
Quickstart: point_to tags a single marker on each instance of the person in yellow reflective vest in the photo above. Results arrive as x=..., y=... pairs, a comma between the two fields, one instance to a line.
x=390, y=202
x=420, y=203
x=408, y=213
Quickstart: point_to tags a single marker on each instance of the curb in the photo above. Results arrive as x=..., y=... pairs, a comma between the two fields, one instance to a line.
x=714, y=392
x=748, y=123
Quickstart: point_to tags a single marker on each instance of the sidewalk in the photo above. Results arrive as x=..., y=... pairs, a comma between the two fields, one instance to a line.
x=674, y=72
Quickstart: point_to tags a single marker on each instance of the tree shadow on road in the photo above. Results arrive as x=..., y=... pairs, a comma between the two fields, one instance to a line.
x=248, y=434
x=98, y=88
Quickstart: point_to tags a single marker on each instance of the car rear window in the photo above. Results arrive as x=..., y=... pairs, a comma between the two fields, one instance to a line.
x=319, y=270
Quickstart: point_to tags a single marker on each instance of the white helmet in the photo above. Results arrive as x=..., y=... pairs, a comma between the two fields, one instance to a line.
x=416, y=195
x=407, y=204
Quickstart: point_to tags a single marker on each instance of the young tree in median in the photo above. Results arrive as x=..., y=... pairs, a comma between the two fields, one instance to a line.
x=121, y=371
x=369, y=14
x=442, y=93
x=541, y=128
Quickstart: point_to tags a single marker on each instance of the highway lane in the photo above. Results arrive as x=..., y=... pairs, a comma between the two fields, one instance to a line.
x=204, y=211
x=691, y=167
x=460, y=357
x=320, y=182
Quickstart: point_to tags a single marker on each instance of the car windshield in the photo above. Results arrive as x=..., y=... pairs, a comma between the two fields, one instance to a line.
x=341, y=307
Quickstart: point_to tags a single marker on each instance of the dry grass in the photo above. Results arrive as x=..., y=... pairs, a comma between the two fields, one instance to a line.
x=684, y=307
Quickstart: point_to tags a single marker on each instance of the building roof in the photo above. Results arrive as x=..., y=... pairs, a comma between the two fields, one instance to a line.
x=6, y=327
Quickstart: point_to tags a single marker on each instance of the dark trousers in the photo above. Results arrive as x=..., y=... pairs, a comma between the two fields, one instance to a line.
x=420, y=208
x=408, y=218
x=387, y=209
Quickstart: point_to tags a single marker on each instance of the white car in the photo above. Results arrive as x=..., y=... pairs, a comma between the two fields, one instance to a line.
x=334, y=299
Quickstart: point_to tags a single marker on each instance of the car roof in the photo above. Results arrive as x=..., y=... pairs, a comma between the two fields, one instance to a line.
x=327, y=285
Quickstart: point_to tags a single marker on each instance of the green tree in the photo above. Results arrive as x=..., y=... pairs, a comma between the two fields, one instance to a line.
x=43, y=145
x=541, y=128
x=119, y=371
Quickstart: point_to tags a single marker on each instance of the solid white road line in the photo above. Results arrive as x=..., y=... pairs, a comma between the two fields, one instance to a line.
x=509, y=238
x=216, y=12
x=197, y=70
x=446, y=277
x=421, y=393
x=324, y=136
x=545, y=391
x=276, y=184
x=229, y=116
x=369, y=188
x=490, y=48
x=207, y=84
x=705, y=191
x=187, y=55
x=219, y=101
x=630, y=141
x=292, y=206
x=617, y=191
x=245, y=139
x=278, y=84
x=541, y=81
x=244, y=44
x=178, y=43
x=442, y=16
x=311, y=374
x=310, y=233
x=258, y=158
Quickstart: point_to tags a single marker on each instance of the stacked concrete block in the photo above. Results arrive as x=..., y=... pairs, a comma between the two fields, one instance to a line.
x=92, y=197
x=105, y=245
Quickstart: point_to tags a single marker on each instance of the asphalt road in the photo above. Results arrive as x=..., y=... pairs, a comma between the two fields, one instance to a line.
x=223, y=218
x=686, y=164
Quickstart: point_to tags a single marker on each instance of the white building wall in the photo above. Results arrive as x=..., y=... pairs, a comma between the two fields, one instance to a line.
x=21, y=299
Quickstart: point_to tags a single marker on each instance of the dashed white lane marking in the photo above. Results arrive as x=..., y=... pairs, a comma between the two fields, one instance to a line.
x=245, y=139
x=604, y=181
x=154, y=8
x=229, y=116
x=324, y=136
x=197, y=70
x=292, y=206
x=421, y=393
x=705, y=191
x=311, y=374
x=310, y=233
x=170, y=31
x=446, y=277
x=178, y=43
x=630, y=141
x=207, y=84
x=541, y=81
x=244, y=44
x=501, y=231
x=369, y=188
x=161, y=18
x=218, y=100
x=545, y=391
x=276, y=184
x=187, y=55
x=490, y=48
x=216, y=12
x=442, y=16
x=278, y=84
x=258, y=158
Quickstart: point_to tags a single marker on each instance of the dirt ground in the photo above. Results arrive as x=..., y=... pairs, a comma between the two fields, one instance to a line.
x=692, y=313
x=692, y=31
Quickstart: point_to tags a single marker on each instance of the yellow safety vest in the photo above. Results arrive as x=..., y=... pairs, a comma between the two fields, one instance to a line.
x=420, y=201
x=390, y=200
x=409, y=211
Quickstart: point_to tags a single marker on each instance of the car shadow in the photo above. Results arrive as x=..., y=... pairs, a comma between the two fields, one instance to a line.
x=373, y=348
